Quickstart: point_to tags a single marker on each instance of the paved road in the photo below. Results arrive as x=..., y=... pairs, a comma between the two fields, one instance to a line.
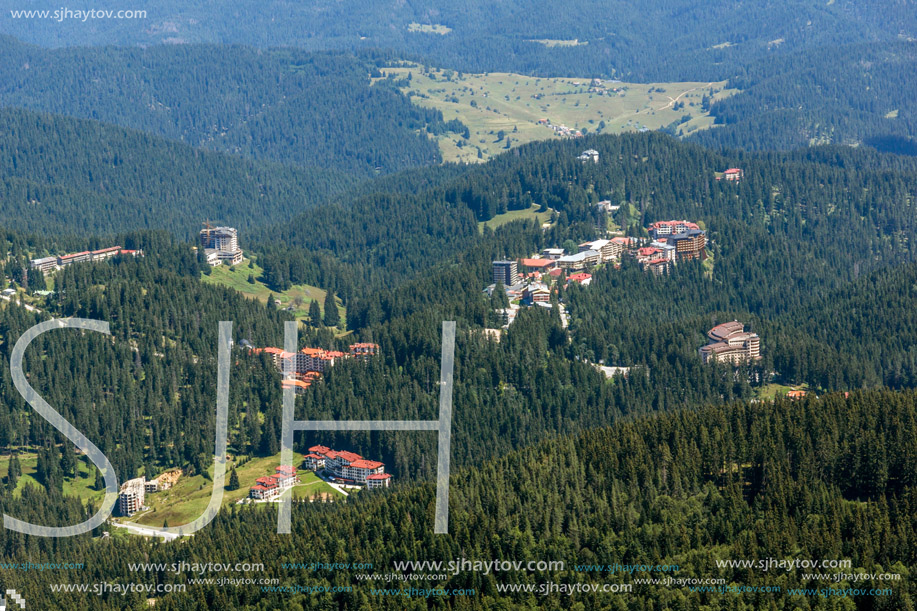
x=144, y=530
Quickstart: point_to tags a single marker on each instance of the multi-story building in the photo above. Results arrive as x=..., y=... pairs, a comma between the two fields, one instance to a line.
x=506, y=273
x=347, y=466
x=552, y=253
x=45, y=264
x=131, y=496
x=271, y=486
x=689, y=245
x=589, y=155
x=619, y=245
x=364, y=349
x=76, y=257
x=378, y=480
x=221, y=245
x=536, y=293
x=104, y=253
x=658, y=266
x=734, y=174
x=49, y=264
x=664, y=228
x=220, y=238
x=667, y=250
x=606, y=248
x=265, y=488
x=314, y=360
x=581, y=260
x=537, y=265
x=729, y=342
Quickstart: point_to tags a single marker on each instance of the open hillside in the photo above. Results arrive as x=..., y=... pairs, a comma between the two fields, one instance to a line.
x=501, y=110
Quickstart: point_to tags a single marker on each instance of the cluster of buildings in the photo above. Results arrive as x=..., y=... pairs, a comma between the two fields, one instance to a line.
x=301, y=369
x=49, y=264
x=599, y=87
x=347, y=467
x=561, y=130
x=271, y=486
x=672, y=242
x=531, y=281
x=132, y=494
x=221, y=245
x=730, y=343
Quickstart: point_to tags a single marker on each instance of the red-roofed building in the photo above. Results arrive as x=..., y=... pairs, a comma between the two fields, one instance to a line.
x=314, y=461
x=104, y=253
x=658, y=266
x=734, y=174
x=537, y=265
x=344, y=465
x=286, y=476
x=664, y=228
x=648, y=252
x=265, y=488
x=76, y=257
x=378, y=480
x=580, y=278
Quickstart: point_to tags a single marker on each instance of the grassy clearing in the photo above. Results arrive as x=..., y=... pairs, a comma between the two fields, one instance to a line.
x=189, y=497
x=515, y=215
x=236, y=278
x=186, y=500
x=514, y=104
x=773, y=390
x=429, y=28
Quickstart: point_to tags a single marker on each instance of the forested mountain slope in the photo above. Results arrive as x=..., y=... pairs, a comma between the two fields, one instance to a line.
x=819, y=479
x=658, y=40
x=76, y=176
x=853, y=94
x=308, y=109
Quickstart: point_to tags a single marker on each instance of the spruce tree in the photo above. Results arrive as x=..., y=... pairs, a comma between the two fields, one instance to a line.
x=332, y=316
x=315, y=313
x=233, y=480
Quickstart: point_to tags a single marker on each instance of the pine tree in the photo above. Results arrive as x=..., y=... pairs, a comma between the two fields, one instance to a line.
x=332, y=316
x=233, y=480
x=315, y=313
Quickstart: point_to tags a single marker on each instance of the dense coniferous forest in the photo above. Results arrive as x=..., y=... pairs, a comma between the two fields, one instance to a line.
x=828, y=478
x=780, y=255
x=307, y=109
x=856, y=94
x=657, y=40
x=330, y=175
x=70, y=176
